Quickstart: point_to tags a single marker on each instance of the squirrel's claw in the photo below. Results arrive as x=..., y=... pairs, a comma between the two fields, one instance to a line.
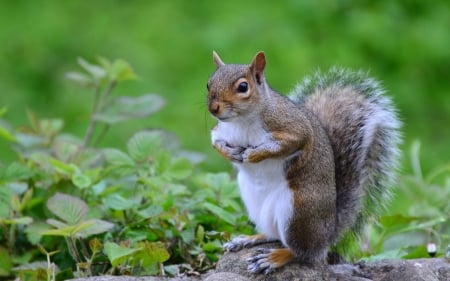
x=260, y=262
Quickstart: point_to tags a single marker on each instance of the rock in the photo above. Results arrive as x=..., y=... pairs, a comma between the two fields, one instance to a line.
x=226, y=276
x=432, y=269
x=233, y=267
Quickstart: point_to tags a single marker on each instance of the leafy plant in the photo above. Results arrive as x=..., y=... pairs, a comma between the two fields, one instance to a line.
x=71, y=208
x=420, y=224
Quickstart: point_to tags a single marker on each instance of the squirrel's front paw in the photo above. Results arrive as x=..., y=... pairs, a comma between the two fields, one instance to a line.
x=232, y=153
x=242, y=241
x=252, y=155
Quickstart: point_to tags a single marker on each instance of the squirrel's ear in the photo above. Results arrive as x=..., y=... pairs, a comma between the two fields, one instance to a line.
x=217, y=61
x=257, y=66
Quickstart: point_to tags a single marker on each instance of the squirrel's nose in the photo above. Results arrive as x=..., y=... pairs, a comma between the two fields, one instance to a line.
x=214, y=108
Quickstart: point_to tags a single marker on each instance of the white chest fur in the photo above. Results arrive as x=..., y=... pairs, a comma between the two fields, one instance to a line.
x=263, y=186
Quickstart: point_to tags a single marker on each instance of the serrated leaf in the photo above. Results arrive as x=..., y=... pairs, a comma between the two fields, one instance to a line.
x=115, y=157
x=144, y=144
x=68, y=208
x=126, y=108
x=151, y=253
x=117, y=254
x=118, y=202
x=15, y=171
x=64, y=150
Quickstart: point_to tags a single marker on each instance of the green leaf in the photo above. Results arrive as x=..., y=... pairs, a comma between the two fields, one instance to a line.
x=80, y=180
x=96, y=71
x=65, y=150
x=56, y=223
x=151, y=211
x=118, y=202
x=69, y=208
x=50, y=127
x=21, y=220
x=70, y=230
x=80, y=78
x=96, y=227
x=162, y=162
x=117, y=159
x=117, y=254
x=126, y=108
x=61, y=167
x=121, y=70
x=6, y=195
x=416, y=252
x=211, y=247
x=180, y=169
x=16, y=171
x=144, y=144
x=34, y=230
x=6, y=264
x=6, y=134
x=151, y=253
x=200, y=235
x=221, y=213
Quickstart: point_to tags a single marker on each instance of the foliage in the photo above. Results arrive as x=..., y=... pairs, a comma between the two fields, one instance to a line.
x=419, y=221
x=68, y=205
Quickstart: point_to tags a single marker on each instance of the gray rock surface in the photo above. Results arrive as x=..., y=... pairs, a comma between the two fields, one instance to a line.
x=233, y=267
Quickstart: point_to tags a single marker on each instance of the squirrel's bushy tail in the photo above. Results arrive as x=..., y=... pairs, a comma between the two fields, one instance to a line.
x=363, y=128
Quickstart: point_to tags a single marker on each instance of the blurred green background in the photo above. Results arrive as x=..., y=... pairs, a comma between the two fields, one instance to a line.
x=405, y=44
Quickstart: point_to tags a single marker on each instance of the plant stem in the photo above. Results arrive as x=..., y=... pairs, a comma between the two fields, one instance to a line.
x=102, y=134
x=99, y=103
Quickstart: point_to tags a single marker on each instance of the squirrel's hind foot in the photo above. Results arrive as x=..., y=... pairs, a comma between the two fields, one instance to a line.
x=268, y=260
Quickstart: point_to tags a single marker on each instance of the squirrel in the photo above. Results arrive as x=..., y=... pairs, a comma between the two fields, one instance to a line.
x=313, y=166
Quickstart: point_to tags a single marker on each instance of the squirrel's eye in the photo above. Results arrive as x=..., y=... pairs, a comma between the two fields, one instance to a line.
x=207, y=86
x=243, y=87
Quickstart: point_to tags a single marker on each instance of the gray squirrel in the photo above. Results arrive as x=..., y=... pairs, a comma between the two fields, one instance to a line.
x=312, y=167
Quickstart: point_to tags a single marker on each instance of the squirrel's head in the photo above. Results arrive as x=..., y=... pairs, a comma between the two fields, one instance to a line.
x=234, y=89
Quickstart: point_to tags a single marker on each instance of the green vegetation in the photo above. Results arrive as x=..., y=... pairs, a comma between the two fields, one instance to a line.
x=98, y=210
x=90, y=186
